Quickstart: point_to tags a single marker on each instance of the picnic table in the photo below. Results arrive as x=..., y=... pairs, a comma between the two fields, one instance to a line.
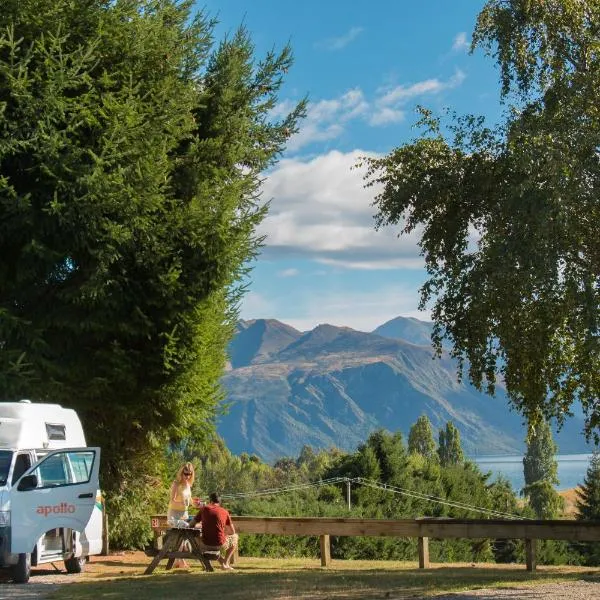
x=174, y=538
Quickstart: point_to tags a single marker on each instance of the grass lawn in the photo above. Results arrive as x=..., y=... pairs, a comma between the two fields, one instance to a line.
x=117, y=577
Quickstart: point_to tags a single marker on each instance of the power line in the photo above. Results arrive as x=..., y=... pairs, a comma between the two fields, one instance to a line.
x=282, y=490
x=435, y=499
x=371, y=484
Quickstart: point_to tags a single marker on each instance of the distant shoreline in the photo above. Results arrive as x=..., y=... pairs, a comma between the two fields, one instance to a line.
x=572, y=468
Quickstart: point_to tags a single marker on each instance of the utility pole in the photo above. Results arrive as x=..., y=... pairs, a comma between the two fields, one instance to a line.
x=348, y=484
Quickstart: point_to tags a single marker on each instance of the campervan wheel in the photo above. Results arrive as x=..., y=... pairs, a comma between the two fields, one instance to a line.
x=22, y=570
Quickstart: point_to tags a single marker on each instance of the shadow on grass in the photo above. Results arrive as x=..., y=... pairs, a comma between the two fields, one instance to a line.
x=111, y=563
x=310, y=584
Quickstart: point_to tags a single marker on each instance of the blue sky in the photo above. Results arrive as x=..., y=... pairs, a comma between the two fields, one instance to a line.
x=365, y=67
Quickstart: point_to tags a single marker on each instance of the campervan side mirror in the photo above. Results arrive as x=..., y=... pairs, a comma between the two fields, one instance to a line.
x=28, y=483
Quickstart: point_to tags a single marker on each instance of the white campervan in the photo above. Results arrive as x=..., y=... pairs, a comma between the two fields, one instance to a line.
x=50, y=506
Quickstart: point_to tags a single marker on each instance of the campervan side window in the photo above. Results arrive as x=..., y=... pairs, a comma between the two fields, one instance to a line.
x=22, y=463
x=65, y=468
x=56, y=431
x=81, y=463
x=5, y=460
x=53, y=471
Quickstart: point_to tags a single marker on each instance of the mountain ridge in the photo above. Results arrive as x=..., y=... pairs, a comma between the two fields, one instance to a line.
x=333, y=386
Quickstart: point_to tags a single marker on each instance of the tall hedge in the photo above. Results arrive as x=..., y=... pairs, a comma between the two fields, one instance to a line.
x=131, y=148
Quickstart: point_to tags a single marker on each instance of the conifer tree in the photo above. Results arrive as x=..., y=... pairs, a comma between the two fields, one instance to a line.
x=420, y=438
x=450, y=449
x=131, y=153
x=588, y=493
x=588, y=506
x=540, y=470
x=390, y=452
x=367, y=464
x=539, y=462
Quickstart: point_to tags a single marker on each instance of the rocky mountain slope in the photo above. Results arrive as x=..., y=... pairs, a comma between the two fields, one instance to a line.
x=332, y=386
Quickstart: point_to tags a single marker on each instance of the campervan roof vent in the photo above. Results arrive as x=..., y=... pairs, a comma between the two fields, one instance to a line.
x=25, y=401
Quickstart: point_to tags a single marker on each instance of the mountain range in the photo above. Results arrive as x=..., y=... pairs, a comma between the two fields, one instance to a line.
x=333, y=386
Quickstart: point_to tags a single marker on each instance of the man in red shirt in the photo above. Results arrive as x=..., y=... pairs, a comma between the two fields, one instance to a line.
x=218, y=532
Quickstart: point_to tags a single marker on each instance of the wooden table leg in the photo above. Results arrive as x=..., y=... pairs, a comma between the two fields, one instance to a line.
x=180, y=538
x=197, y=550
x=167, y=545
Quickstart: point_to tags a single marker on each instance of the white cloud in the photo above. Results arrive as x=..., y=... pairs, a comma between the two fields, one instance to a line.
x=282, y=109
x=321, y=210
x=389, y=104
x=360, y=310
x=325, y=119
x=460, y=43
x=338, y=43
x=401, y=94
x=386, y=115
x=257, y=306
x=288, y=272
x=375, y=265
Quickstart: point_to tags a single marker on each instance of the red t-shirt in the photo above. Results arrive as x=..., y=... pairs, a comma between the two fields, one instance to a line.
x=214, y=519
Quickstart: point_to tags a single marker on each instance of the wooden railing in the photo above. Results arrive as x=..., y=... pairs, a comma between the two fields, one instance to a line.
x=422, y=529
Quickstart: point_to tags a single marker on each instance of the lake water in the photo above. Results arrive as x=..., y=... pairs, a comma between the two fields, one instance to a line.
x=571, y=469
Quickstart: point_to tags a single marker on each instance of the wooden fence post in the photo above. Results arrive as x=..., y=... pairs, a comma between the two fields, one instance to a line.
x=325, y=550
x=530, y=554
x=105, y=548
x=423, y=543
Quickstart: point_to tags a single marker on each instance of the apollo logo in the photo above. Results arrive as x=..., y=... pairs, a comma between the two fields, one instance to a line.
x=58, y=509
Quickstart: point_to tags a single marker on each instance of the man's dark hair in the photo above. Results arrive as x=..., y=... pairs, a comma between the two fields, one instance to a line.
x=215, y=498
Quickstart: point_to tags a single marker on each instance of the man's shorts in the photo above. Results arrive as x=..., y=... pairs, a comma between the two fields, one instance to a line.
x=230, y=542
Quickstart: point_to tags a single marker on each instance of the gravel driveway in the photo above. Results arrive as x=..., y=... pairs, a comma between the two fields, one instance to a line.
x=42, y=583
x=572, y=590
x=30, y=591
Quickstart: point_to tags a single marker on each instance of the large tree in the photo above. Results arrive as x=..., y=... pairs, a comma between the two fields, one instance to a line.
x=508, y=215
x=450, y=450
x=588, y=506
x=588, y=493
x=539, y=461
x=420, y=438
x=131, y=149
x=540, y=470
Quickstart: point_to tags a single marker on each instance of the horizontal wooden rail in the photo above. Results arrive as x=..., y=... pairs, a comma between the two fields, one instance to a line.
x=441, y=528
x=423, y=529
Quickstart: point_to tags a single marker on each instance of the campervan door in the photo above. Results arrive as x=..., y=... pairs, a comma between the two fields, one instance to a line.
x=44, y=498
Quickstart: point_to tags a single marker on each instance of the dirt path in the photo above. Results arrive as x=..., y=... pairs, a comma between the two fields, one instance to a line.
x=577, y=590
x=30, y=591
x=46, y=579
x=42, y=583
x=573, y=590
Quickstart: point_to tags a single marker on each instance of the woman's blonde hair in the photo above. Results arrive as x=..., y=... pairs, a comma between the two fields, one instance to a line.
x=188, y=466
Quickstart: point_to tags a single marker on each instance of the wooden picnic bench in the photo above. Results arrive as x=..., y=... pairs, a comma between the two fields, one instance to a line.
x=174, y=539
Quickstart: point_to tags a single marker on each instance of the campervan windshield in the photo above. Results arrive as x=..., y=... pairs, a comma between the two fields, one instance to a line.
x=5, y=460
